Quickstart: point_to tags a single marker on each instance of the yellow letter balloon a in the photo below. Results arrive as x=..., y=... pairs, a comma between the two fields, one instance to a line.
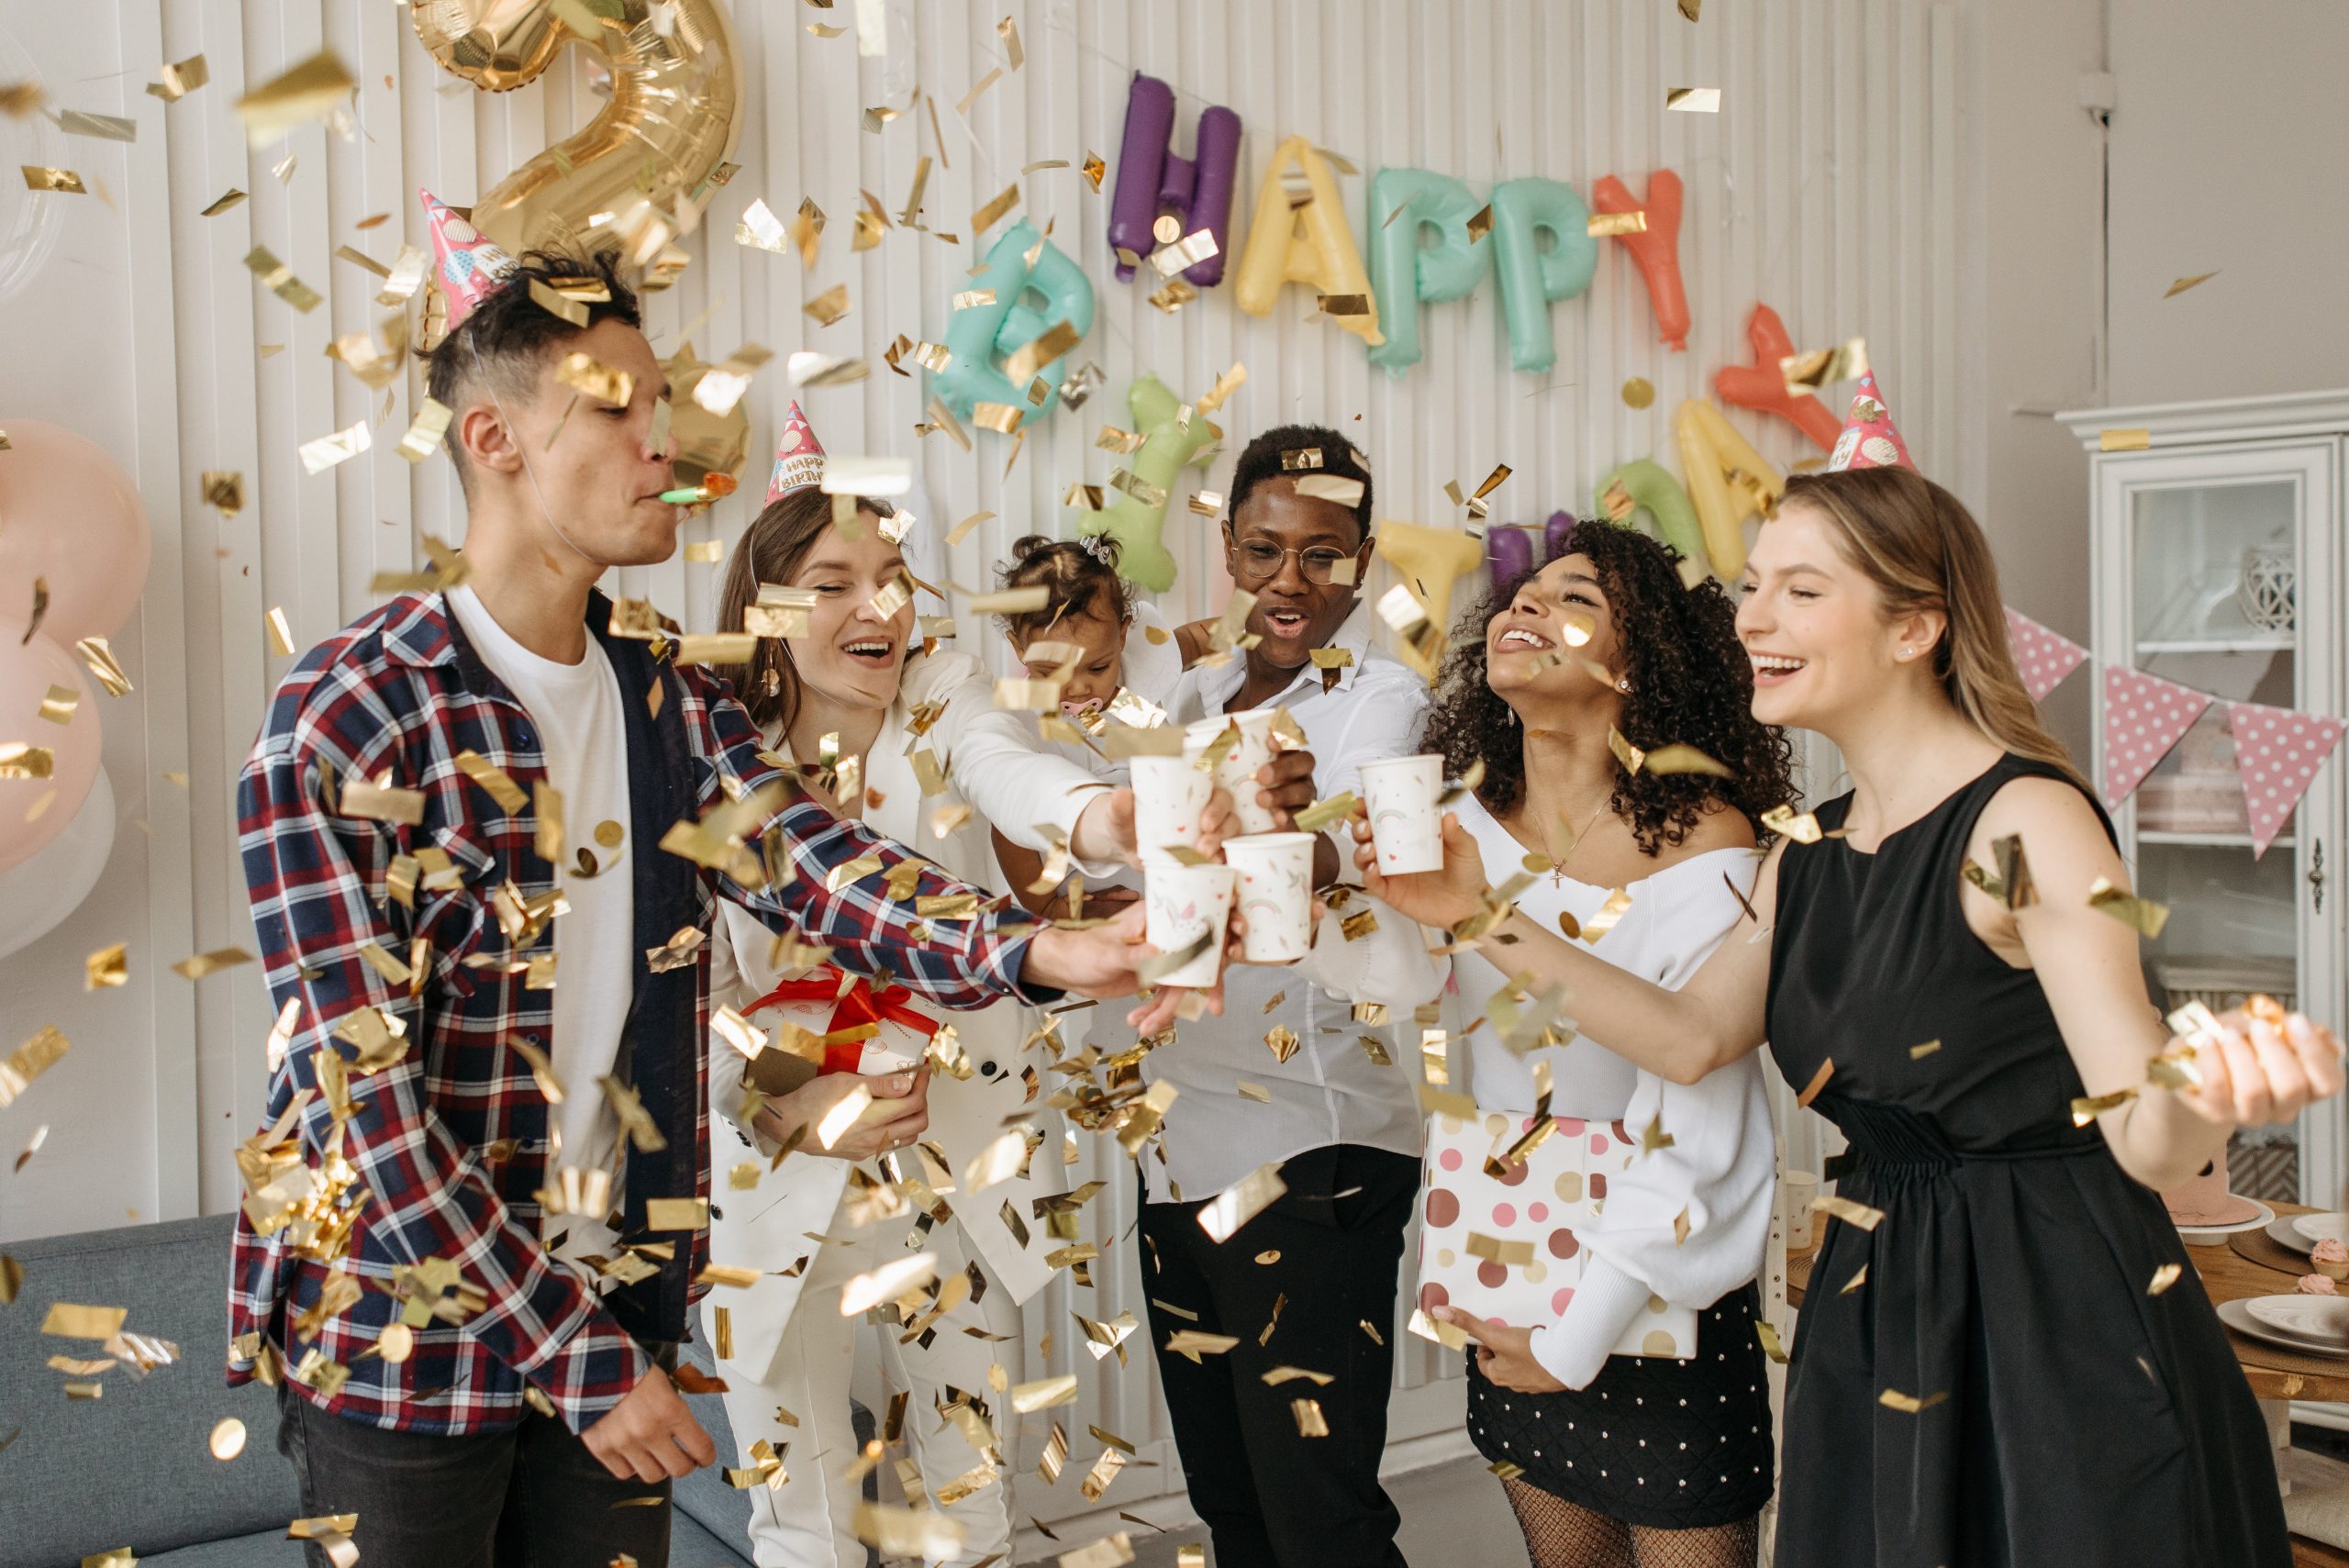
x=1310, y=244
x=1728, y=481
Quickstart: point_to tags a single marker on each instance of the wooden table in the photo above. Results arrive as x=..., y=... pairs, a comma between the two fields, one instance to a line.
x=2227, y=1275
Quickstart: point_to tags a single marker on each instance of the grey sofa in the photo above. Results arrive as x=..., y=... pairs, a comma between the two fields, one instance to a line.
x=132, y=1468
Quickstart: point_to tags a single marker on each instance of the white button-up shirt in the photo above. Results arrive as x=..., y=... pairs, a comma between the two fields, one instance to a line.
x=1331, y=1091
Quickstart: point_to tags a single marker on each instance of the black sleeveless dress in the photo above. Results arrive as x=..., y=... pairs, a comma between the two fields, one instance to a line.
x=2073, y=1419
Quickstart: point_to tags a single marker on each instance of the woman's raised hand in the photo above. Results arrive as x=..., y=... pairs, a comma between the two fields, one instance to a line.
x=1441, y=898
x=2263, y=1065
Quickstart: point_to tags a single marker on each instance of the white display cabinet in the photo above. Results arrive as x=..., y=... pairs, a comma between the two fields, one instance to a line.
x=2218, y=565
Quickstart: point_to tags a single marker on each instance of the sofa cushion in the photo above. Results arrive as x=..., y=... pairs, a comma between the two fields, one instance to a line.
x=132, y=1467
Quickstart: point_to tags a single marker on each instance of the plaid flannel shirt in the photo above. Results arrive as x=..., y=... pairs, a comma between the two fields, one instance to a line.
x=449, y=1142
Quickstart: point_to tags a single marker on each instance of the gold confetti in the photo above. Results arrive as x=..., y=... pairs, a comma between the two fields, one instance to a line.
x=181, y=79
x=228, y=1438
x=1094, y=168
x=1638, y=393
x=310, y=91
x=212, y=963
x=281, y=638
x=1310, y=1422
x=1002, y=202
x=426, y=431
x=1694, y=100
x=2086, y=1108
x=1237, y=1205
x=107, y=967
x=1816, y=369
x=596, y=380
x=71, y=1321
x=829, y=305
x=1770, y=1345
x=64, y=182
x=1613, y=224
x=1893, y=1399
x=493, y=779
x=2164, y=1277
x=2182, y=284
x=1043, y=1394
x=1919, y=1053
x=1858, y=1279
x=2145, y=914
x=1818, y=1082
x=28, y=1062
x=993, y=75
x=2124, y=440
x=1848, y=1211
x=327, y=452
x=1801, y=826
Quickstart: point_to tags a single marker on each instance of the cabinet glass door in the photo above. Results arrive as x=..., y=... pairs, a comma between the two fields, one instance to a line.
x=2226, y=553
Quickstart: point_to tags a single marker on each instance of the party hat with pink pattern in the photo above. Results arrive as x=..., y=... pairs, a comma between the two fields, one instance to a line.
x=1869, y=439
x=470, y=266
x=799, y=457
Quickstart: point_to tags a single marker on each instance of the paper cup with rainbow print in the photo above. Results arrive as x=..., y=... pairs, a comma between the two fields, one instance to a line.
x=1170, y=797
x=1237, y=772
x=1275, y=894
x=1182, y=905
x=1400, y=795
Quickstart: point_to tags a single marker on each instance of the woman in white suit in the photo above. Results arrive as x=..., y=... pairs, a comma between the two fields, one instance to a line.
x=786, y=1351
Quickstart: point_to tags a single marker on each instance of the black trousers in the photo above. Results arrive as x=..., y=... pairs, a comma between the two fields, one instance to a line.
x=532, y=1498
x=1271, y=1496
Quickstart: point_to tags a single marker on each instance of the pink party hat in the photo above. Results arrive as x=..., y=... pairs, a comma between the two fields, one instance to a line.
x=799, y=457
x=470, y=266
x=1869, y=439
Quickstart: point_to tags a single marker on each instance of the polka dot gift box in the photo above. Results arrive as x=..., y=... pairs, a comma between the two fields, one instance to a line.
x=1507, y=1247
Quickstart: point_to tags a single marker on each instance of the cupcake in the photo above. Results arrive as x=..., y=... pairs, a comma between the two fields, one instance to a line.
x=2318, y=1285
x=2330, y=1258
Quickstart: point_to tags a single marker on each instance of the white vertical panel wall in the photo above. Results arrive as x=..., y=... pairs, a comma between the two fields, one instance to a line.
x=1828, y=186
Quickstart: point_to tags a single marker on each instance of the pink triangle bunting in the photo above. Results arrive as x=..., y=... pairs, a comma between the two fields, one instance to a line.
x=2278, y=752
x=2041, y=657
x=2144, y=715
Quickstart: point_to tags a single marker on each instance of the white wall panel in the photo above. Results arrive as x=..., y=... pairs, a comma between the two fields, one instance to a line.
x=1828, y=186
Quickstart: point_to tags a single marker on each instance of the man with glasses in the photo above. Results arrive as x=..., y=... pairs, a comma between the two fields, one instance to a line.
x=1284, y=1077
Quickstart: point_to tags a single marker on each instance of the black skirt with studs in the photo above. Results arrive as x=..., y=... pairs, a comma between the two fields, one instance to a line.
x=1656, y=1442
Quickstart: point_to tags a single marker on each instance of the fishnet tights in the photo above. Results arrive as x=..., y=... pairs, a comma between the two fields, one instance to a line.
x=1559, y=1534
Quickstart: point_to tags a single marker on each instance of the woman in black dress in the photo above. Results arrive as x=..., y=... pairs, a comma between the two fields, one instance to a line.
x=2006, y=1357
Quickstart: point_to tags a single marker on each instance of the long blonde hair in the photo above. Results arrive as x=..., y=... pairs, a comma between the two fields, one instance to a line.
x=1923, y=550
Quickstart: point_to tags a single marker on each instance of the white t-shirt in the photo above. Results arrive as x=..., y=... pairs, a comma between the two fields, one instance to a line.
x=583, y=737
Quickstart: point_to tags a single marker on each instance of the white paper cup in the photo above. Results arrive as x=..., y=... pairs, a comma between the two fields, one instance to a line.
x=1275, y=894
x=1400, y=795
x=1802, y=1189
x=1180, y=904
x=1237, y=772
x=1170, y=796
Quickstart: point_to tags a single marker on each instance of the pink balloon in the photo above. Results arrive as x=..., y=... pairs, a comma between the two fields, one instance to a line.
x=70, y=517
x=33, y=811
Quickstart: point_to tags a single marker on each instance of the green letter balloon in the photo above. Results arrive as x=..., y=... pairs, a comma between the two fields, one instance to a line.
x=1168, y=447
x=1523, y=209
x=1402, y=203
x=1652, y=490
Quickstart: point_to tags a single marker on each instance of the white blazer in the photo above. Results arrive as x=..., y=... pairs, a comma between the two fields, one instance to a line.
x=768, y=1228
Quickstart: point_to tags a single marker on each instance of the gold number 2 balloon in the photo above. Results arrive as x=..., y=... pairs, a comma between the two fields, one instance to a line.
x=674, y=111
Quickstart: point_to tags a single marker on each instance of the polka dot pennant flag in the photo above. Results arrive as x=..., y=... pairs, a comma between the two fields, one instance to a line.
x=2041, y=657
x=2278, y=752
x=2143, y=718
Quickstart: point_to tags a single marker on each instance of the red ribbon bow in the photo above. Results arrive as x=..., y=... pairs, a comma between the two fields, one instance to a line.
x=857, y=1005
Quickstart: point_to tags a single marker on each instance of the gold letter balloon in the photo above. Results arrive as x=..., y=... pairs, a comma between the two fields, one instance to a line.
x=639, y=172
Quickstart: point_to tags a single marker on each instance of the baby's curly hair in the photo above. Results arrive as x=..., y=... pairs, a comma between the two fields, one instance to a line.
x=1691, y=683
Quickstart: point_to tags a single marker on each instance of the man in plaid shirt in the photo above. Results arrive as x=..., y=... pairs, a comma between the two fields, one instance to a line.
x=445, y=1372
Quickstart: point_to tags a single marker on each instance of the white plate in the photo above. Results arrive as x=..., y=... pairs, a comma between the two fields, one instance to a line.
x=2280, y=1232
x=2236, y=1315
x=2315, y=1227
x=2325, y=1318
x=2212, y=1235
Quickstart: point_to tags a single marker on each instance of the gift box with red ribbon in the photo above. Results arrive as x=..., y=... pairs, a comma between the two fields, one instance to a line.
x=863, y=1028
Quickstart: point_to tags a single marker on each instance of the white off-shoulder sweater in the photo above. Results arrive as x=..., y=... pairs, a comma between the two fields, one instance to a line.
x=1720, y=1168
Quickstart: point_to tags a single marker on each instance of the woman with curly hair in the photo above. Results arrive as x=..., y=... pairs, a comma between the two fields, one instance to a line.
x=1622, y=1458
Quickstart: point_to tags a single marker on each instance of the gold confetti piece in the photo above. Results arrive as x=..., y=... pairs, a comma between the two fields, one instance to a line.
x=281, y=638
x=279, y=278
x=2164, y=1277
x=1003, y=202
x=327, y=452
x=1035, y=354
x=1631, y=756
x=1480, y=223
x=1919, y=1053
x=102, y=128
x=1602, y=919
x=495, y=780
x=596, y=379
x=2182, y=284
x=2124, y=440
x=1801, y=826
x=993, y=75
x=1857, y=1280
x=28, y=1062
x=310, y=91
x=380, y=802
x=1681, y=758
x=69, y=1320
x=808, y=231
x=1332, y=488
x=1848, y=1211
x=58, y=706
x=1638, y=393
x=829, y=305
x=1818, y=1082
x=21, y=760
x=1094, y=168
x=1327, y=813
x=64, y=182
x=229, y=199
x=180, y=79
x=1310, y=1422
x=2145, y=914
x=677, y=1214
x=1237, y=1205
x=1818, y=368
x=1770, y=1345
x=2086, y=1108
x=426, y=431
x=1493, y=1250
x=1045, y=1394
x=212, y=963
x=1694, y=100
x=224, y=490
x=1893, y=1399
